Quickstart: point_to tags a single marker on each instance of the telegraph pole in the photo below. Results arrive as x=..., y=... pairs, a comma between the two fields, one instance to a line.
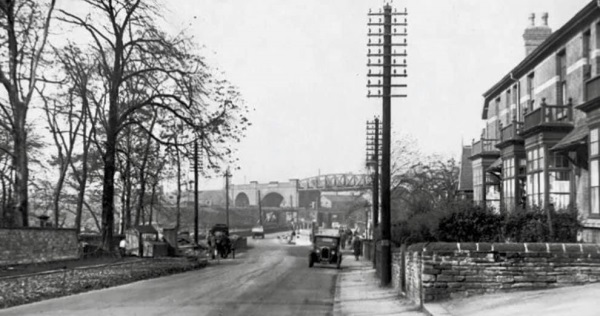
x=196, y=191
x=260, y=216
x=383, y=29
x=227, y=175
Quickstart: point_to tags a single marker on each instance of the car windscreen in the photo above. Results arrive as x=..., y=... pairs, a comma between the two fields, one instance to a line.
x=326, y=241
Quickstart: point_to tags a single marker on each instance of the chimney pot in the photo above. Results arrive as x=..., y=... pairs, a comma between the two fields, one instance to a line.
x=532, y=19
x=545, y=18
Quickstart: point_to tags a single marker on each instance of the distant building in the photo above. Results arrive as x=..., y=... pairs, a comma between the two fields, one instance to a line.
x=339, y=209
x=342, y=202
x=540, y=143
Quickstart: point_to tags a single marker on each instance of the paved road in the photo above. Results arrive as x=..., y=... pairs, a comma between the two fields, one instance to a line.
x=576, y=300
x=271, y=278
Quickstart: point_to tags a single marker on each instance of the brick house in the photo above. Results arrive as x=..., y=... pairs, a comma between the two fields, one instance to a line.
x=540, y=143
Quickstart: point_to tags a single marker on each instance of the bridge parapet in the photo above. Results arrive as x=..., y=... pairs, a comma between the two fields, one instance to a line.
x=336, y=182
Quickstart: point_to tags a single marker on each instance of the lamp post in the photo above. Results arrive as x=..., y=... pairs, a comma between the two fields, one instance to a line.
x=227, y=176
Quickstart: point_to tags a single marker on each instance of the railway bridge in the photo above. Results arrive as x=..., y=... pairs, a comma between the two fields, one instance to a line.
x=296, y=193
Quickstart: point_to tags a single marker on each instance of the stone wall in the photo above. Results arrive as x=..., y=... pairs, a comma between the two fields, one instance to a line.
x=22, y=289
x=439, y=271
x=35, y=245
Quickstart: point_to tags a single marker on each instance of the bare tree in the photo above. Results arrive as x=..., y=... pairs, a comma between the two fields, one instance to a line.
x=24, y=27
x=142, y=68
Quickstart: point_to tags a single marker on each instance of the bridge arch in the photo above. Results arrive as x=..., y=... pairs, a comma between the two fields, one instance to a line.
x=242, y=200
x=272, y=199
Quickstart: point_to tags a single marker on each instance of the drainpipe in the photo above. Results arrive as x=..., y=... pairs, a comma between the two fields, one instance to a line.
x=516, y=190
x=512, y=77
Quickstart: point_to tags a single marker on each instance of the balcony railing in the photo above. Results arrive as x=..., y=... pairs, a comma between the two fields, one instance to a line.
x=592, y=88
x=548, y=114
x=484, y=146
x=511, y=132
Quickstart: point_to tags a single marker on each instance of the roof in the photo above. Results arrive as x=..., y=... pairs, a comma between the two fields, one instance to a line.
x=465, y=182
x=496, y=165
x=577, y=137
x=545, y=49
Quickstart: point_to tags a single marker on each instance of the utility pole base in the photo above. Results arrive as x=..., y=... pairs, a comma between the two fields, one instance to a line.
x=386, y=263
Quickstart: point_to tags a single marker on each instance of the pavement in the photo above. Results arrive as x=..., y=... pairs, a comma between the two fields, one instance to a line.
x=579, y=300
x=358, y=292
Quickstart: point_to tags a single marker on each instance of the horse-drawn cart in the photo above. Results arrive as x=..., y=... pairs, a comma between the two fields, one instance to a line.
x=220, y=242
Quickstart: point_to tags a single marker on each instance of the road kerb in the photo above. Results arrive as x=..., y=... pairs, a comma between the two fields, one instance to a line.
x=435, y=309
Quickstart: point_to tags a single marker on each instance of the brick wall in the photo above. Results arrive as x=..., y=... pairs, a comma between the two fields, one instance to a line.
x=439, y=271
x=34, y=245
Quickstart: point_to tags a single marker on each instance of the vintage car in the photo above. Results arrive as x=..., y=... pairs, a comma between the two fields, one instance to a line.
x=258, y=231
x=326, y=250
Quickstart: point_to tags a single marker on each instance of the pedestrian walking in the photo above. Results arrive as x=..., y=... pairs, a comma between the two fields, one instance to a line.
x=356, y=246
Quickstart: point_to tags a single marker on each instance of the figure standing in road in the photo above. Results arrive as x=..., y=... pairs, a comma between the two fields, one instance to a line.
x=357, y=246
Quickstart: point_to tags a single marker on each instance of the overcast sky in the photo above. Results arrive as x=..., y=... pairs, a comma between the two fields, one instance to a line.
x=301, y=65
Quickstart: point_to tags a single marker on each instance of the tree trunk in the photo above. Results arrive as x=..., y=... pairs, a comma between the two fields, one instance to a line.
x=178, y=198
x=2, y=222
x=21, y=206
x=152, y=197
x=123, y=206
x=108, y=187
x=108, y=194
x=58, y=189
x=128, y=195
x=82, y=182
x=140, y=206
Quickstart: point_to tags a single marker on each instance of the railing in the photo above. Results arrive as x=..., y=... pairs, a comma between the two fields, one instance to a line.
x=511, y=131
x=484, y=146
x=592, y=88
x=546, y=114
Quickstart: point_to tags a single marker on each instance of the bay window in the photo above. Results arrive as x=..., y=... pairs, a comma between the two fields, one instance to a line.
x=535, y=177
x=594, y=176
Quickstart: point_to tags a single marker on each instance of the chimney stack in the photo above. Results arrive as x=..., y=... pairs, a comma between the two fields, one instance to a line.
x=536, y=35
